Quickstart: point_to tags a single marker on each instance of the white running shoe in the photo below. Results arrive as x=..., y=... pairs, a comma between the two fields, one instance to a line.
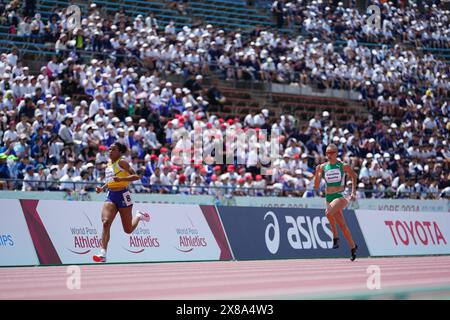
x=143, y=215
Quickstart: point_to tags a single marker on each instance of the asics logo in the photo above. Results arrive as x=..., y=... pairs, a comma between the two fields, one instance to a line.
x=272, y=238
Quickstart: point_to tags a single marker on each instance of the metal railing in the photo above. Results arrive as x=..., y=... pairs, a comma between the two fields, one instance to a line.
x=225, y=191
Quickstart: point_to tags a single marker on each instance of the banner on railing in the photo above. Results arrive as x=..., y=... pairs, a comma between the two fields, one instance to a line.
x=279, y=233
x=16, y=247
x=399, y=233
x=401, y=205
x=396, y=205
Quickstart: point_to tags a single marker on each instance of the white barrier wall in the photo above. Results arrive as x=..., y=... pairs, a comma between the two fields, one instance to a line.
x=53, y=232
x=399, y=233
x=175, y=233
x=16, y=246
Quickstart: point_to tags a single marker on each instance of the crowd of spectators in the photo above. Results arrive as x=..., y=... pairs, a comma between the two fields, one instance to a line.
x=422, y=25
x=266, y=55
x=56, y=125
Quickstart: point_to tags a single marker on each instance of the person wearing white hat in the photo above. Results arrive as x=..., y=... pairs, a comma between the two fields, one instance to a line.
x=166, y=93
x=95, y=104
x=360, y=191
x=334, y=173
x=142, y=130
x=260, y=118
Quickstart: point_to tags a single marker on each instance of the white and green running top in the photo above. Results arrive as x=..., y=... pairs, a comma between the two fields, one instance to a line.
x=334, y=174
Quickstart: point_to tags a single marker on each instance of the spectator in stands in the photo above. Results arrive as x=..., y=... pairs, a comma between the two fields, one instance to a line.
x=66, y=180
x=277, y=10
x=30, y=179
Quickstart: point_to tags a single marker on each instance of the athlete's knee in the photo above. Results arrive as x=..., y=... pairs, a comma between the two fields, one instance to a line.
x=107, y=222
x=128, y=229
x=330, y=211
x=329, y=215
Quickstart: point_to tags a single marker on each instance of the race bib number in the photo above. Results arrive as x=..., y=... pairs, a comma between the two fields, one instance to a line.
x=127, y=198
x=333, y=176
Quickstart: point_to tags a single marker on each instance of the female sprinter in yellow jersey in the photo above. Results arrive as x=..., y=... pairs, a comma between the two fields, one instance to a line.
x=334, y=173
x=118, y=176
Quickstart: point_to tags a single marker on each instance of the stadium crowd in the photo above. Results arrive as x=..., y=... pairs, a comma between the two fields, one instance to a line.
x=266, y=55
x=421, y=26
x=56, y=125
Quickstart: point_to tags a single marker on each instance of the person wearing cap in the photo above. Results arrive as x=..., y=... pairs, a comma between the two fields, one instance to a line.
x=326, y=121
x=101, y=155
x=29, y=179
x=4, y=171
x=142, y=129
x=215, y=186
x=96, y=103
x=406, y=189
x=176, y=101
x=260, y=119
x=21, y=148
x=150, y=137
x=316, y=122
x=65, y=131
x=52, y=179
x=166, y=93
x=23, y=127
x=118, y=175
x=194, y=84
x=334, y=173
x=197, y=185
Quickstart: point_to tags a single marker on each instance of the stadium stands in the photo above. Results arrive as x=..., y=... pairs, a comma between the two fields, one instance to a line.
x=118, y=66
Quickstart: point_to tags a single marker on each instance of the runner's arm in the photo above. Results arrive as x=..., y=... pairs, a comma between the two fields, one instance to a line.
x=317, y=177
x=132, y=175
x=100, y=189
x=348, y=170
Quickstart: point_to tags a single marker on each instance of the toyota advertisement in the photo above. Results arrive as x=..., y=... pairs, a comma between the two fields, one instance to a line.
x=399, y=233
x=278, y=233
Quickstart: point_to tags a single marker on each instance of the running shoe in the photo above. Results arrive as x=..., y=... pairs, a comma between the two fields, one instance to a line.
x=353, y=252
x=143, y=215
x=335, y=243
x=99, y=258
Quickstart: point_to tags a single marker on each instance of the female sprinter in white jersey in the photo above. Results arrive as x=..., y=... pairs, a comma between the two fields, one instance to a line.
x=118, y=176
x=334, y=173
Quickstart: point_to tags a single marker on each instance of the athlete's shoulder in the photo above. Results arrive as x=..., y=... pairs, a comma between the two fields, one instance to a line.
x=123, y=161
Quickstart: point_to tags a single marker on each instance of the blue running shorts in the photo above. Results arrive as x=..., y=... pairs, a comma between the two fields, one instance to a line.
x=122, y=198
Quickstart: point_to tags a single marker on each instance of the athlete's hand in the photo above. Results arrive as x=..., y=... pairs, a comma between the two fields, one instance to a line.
x=117, y=179
x=98, y=189
x=353, y=197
